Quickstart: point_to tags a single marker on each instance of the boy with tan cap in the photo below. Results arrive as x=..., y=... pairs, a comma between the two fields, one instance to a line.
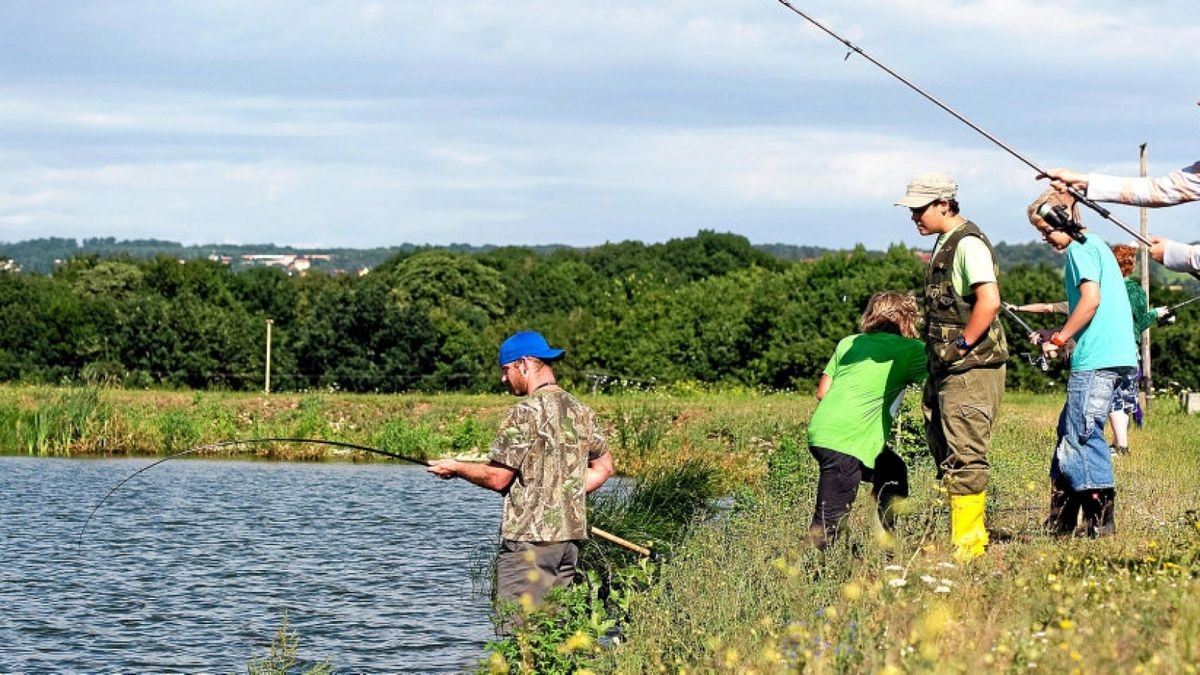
x=966, y=351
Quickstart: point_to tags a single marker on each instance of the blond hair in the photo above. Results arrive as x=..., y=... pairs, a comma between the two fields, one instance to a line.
x=891, y=312
x=1053, y=198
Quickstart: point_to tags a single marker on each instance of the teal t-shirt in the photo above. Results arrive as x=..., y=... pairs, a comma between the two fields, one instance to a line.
x=869, y=372
x=1107, y=341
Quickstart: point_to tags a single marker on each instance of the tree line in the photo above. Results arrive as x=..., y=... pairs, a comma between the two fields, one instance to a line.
x=710, y=309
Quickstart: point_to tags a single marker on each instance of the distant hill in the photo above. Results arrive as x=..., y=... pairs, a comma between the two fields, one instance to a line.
x=41, y=255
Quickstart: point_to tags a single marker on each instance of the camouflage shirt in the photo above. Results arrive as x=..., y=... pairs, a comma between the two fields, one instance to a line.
x=548, y=439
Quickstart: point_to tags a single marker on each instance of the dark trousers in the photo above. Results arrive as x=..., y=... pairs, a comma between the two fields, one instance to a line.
x=838, y=484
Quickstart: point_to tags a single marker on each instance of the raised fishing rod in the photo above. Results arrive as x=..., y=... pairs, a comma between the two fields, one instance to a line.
x=1040, y=361
x=1041, y=173
x=641, y=550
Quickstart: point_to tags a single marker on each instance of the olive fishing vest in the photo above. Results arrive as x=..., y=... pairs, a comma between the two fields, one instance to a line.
x=947, y=313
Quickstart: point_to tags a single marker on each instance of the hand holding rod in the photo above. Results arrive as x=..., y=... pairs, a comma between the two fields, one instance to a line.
x=1040, y=362
x=1041, y=173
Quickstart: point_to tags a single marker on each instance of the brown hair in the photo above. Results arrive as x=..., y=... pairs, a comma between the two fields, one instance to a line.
x=891, y=312
x=1125, y=255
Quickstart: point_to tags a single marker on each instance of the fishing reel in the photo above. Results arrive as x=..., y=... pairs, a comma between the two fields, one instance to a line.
x=1038, y=360
x=1166, y=319
x=1059, y=218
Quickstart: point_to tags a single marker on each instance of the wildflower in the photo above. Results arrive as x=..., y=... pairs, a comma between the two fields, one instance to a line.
x=852, y=591
x=893, y=568
x=1066, y=624
x=731, y=658
x=942, y=589
x=526, y=601
x=928, y=579
x=497, y=665
x=576, y=642
x=897, y=583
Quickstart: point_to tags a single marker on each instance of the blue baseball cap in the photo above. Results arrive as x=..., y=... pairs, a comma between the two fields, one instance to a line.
x=528, y=343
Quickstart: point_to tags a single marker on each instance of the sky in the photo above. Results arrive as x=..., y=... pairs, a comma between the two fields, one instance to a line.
x=348, y=123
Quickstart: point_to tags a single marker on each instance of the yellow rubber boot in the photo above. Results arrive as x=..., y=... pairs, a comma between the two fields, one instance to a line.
x=966, y=526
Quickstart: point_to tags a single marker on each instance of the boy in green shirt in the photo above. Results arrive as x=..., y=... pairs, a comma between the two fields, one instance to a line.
x=859, y=392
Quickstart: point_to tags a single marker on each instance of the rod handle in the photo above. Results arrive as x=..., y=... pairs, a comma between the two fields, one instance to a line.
x=624, y=543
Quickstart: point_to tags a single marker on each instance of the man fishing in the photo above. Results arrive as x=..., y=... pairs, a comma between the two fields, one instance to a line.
x=966, y=352
x=1100, y=321
x=549, y=454
x=1176, y=187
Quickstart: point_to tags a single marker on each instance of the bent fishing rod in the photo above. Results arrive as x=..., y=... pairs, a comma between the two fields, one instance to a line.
x=641, y=550
x=1041, y=173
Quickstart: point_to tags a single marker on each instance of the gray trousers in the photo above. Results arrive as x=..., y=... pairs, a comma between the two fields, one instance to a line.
x=534, y=568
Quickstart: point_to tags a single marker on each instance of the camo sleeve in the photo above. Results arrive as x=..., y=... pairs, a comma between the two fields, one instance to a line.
x=597, y=441
x=514, y=439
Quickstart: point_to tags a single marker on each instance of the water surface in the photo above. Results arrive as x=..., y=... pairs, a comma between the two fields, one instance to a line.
x=191, y=565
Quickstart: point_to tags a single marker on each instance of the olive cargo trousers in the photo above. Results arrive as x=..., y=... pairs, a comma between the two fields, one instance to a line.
x=959, y=409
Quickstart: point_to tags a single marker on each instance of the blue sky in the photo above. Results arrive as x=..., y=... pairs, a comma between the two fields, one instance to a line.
x=353, y=123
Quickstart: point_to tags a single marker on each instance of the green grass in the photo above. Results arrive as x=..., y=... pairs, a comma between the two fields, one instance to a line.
x=747, y=595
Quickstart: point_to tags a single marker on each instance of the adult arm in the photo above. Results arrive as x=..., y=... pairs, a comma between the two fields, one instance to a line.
x=1176, y=187
x=493, y=475
x=1176, y=256
x=598, y=471
x=1043, y=308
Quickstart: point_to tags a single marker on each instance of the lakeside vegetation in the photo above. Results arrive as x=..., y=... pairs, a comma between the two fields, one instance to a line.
x=711, y=309
x=742, y=592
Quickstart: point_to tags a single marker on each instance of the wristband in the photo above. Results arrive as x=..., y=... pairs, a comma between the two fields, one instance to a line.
x=1057, y=340
x=961, y=343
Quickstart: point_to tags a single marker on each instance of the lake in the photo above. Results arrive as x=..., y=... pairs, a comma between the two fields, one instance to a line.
x=192, y=565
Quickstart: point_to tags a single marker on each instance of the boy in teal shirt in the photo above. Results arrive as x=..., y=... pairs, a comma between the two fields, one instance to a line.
x=1101, y=323
x=859, y=392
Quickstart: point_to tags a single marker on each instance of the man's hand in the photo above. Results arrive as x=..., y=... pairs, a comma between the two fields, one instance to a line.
x=443, y=468
x=1061, y=179
x=1159, y=247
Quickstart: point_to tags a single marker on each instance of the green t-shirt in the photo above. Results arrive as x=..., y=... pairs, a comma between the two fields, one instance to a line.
x=869, y=373
x=972, y=263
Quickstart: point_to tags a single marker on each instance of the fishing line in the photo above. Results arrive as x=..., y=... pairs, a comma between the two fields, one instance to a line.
x=244, y=441
x=1079, y=196
x=641, y=550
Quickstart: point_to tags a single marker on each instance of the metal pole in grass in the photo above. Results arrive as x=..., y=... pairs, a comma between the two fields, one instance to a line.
x=1147, y=376
x=607, y=536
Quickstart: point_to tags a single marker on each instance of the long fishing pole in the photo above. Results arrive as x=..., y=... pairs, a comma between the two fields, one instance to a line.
x=641, y=550
x=1079, y=196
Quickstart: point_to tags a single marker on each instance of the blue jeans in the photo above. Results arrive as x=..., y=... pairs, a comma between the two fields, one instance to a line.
x=1082, y=459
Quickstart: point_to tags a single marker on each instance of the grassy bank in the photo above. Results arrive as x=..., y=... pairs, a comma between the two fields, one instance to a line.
x=746, y=595
x=732, y=432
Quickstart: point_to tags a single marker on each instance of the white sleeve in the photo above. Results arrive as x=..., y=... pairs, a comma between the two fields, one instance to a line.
x=1181, y=257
